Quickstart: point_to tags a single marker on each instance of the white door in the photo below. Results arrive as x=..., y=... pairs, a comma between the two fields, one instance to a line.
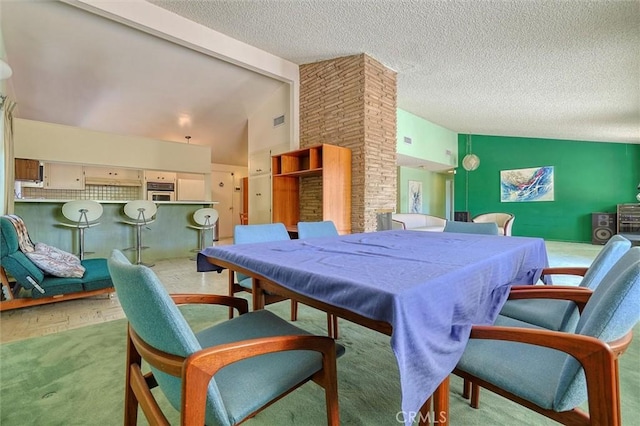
x=222, y=188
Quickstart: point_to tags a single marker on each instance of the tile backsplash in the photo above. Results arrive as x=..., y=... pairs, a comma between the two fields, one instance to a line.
x=91, y=192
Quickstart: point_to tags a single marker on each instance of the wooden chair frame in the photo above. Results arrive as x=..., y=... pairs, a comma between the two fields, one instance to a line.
x=598, y=359
x=197, y=370
x=14, y=302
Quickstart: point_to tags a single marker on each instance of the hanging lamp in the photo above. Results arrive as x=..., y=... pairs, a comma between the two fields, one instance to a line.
x=470, y=161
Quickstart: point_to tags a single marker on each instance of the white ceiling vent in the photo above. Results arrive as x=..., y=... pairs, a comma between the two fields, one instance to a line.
x=278, y=121
x=408, y=140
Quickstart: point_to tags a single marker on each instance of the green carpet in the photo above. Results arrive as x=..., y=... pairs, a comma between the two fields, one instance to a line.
x=77, y=378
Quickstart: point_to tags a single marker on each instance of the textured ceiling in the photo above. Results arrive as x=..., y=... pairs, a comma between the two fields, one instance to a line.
x=550, y=69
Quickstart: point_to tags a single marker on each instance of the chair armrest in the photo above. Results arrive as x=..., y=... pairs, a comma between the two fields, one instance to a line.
x=200, y=367
x=397, y=224
x=241, y=305
x=579, y=295
x=566, y=270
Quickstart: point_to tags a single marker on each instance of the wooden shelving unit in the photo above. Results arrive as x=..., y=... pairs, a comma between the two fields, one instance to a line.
x=331, y=162
x=629, y=221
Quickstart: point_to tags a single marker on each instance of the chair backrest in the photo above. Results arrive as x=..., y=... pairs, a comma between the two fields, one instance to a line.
x=615, y=248
x=317, y=229
x=82, y=212
x=158, y=321
x=262, y=233
x=489, y=228
x=206, y=217
x=611, y=313
x=503, y=220
x=14, y=261
x=140, y=210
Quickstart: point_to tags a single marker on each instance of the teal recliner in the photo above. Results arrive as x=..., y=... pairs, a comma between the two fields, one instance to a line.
x=38, y=287
x=223, y=374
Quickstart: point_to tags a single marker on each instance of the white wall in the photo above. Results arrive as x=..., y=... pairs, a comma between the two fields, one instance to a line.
x=57, y=143
x=261, y=133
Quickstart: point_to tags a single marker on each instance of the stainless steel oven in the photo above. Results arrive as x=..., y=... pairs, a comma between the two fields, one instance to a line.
x=161, y=191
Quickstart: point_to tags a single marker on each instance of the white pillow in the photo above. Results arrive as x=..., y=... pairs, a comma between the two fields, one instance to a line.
x=56, y=262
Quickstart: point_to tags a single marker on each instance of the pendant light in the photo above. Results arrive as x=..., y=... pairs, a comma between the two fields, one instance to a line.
x=470, y=162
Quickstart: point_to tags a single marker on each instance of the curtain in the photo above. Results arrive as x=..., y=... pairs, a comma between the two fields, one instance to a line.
x=7, y=107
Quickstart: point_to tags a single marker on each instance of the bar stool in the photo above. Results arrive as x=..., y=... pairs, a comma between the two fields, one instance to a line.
x=140, y=213
x=206, y=219
x=83, y=214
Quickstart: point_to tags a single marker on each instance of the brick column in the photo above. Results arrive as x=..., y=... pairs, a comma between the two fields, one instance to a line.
x=351, y=102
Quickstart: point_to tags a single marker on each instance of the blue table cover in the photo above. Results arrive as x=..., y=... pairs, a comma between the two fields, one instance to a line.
x=430, y=286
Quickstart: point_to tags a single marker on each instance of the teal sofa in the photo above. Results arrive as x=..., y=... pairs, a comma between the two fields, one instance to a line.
x=33, y=287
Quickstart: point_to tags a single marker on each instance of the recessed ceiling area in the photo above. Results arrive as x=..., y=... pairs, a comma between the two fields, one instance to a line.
x=75, y=68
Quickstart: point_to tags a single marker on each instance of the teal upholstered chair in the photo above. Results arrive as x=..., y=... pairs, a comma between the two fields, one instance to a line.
x=536, y=368
x=317, y=230
x=223, y=374
x=489, y=228
x=560, y=314
x=262, y=233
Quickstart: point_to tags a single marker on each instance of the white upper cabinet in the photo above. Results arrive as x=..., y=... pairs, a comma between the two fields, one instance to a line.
x=63, y=176
x=158, y=176
x=112, y=176
x=260, y=162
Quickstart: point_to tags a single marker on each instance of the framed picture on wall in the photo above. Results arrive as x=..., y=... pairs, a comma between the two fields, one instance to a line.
x=521, y=185
x=415, y=196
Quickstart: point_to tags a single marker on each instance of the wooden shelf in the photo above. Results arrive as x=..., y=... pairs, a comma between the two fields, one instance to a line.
x=628, y=219
x=333, y=164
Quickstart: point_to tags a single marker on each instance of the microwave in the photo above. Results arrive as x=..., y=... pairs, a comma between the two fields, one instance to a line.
x=161, y=191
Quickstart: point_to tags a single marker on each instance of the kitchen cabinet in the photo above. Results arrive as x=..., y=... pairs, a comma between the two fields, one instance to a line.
x=27, y=170
x=159, y=176
x=63, y=176
x=190, y=190
x=111, y=176
x=260, y=199
x=260, y=162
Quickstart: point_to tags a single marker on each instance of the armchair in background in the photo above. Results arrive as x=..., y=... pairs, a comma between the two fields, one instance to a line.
x=316, y=230
x=503, y=220
x=471, y=228
x=262, y=233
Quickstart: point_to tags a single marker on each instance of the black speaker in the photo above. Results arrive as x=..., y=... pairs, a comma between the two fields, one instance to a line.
x=461, y=216
x=603, y=226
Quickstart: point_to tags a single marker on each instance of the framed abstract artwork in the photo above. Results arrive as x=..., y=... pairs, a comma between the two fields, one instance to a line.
x=525, y=185
x=415, y=196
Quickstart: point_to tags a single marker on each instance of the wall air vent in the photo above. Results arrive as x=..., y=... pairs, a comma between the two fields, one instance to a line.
x=278, y=121
x=408, y=140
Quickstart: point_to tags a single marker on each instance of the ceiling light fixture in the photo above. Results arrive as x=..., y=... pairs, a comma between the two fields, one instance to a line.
x=5, y=70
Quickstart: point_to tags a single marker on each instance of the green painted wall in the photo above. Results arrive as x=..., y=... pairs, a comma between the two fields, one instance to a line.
x=589, y=177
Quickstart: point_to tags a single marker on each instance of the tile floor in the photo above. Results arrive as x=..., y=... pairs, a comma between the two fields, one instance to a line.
x=180, y=276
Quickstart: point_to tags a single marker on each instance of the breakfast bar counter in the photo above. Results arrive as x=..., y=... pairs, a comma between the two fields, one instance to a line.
x=167, y=237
